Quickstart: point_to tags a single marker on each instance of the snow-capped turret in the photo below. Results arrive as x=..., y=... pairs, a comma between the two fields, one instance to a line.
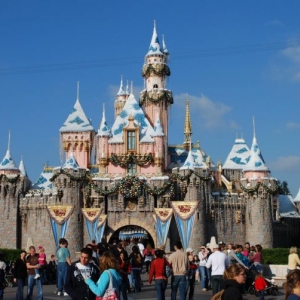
x=154, y=48
x=297, y=198
x=164, y=47
x=121, y=99
x=8, y=165
x=189, y=162
x=103, y=128
x=71, y=163
x=121, y=91
x=22, y=167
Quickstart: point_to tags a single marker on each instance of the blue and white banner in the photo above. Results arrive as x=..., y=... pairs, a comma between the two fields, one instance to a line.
x=59, y=220
x=91, y=216
x=184, y=212
x=163, y=218
x=100, y=228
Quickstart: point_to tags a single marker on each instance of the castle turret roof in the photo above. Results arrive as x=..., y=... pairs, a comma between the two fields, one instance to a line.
x=189, y=162
x=164, y=47
x=158, y=130
x=43, y=181
x=77, y=120
x=7, y=162
x=238, y=156
x=71, y=162
x=297, y=198
x=104, y=130
x=121, y=91
x=22, y=168
x=154, y=47
x=133, y=109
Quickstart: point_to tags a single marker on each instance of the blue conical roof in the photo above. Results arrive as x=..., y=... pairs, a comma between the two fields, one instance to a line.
x=71, y=163
x=154, y=47
x=8, y=163
x=22, y=168
x=121, y=91
x=104, y=130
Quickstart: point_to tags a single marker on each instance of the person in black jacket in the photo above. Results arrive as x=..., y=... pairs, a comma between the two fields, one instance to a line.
x=234, y=279
x=20, y=274
x=79, y=271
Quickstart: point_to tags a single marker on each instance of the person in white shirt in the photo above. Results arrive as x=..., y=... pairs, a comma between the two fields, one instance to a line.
x=203, y=257
x=218, y=262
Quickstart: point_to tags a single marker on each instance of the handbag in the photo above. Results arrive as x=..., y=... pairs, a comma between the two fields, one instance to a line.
x=111, y=293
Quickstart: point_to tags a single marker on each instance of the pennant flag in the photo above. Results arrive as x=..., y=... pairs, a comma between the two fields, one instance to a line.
x=184, y=212
x=59, y=219
x=163, y=218
x=91, y=216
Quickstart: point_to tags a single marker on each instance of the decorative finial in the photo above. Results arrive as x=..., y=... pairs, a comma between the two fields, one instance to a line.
x=254, y=133
x=131, y=87
x=78, y=90
x=155, y=24
x=8, y=146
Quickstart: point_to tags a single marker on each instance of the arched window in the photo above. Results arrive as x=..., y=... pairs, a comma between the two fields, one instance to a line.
x=155, y=86
x=131, y=140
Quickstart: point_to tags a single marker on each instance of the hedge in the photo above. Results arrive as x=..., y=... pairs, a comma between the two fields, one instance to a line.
x=10, y=255
x=276, y=256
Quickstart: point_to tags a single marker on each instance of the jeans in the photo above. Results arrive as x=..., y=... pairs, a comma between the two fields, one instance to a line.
x=178, y=281
x=1, y=294
x=160, y=286
x=19, y=293
x=136, y=274
x=31, y=283
x=62, y=272
x=203, y=277
x=216, y=281
x=190, y=287
x=123, y=288
x=261, y=295
x=259, y=267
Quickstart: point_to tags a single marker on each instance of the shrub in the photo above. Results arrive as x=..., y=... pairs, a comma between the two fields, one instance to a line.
x=276, y=256
x=10, y=255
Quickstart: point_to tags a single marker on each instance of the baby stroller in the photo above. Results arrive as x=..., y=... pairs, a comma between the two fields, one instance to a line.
x=272, y=288
x=8, y=279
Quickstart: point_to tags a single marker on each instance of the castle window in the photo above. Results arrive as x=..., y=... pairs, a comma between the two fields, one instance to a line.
x=131, y=138
x=131, y=169
x=155, y=86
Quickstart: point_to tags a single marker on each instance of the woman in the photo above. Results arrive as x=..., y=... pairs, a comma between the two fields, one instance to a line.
x=148, y=255
x=158, y=271
x=124, y=272
x=136, y=267
x=293, y=260
x=292, y=285
x=234, y=279
x=203, y=256
x=190, y=278
x=108, y=264
x=20, y=274
x=257, y=259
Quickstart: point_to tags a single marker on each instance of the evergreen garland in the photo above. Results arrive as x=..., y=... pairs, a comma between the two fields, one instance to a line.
x=123, y=161
x=158, y=97
x=255, y=189
x=4, y=178
x=157, y=69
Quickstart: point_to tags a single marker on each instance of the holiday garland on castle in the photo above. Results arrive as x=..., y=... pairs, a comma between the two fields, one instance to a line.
x=157, y=69
x=4, y=178
x=156, y=96
x=254, y=189
x=123, y=161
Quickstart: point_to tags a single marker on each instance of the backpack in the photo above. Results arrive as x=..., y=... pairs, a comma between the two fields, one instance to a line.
x=218, y=296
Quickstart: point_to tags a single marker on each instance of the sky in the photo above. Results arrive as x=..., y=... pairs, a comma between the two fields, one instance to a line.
x=234, y=60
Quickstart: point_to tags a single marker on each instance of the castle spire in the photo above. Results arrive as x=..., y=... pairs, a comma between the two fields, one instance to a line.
x=77, y=98
x=103, y=128
x=187, y=125
x=164, y=47
x=22, y=167
x=121, y=91
x=127, y=89
x=154, y=48
x=8, y=163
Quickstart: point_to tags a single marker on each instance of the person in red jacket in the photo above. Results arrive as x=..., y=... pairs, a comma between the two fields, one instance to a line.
x=158, y=271
x=260, y=285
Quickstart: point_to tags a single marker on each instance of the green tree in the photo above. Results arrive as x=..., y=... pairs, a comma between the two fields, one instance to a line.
x=283, y=188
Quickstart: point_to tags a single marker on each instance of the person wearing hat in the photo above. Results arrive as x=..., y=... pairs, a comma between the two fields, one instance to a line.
x=218, y=262
x=179, y=263
x=204, y=275
x=222, y=247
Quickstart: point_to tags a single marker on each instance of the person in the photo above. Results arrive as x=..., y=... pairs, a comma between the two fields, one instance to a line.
x=52, y=269
x=257, y=258
x=218, y=262
x=2, y=274
x=179, y=263
x=191, y=274
x=148, y=256
x=141, y=247
x=246, y=251
x=158, y=272
x=108, y=266
x=197, y=263
x=41, y=272
x=63, y=263
x=136, y=267
x=20, y=274
x=233, y=257
x=260, y=285
x=293, y=259
x=234, y=279
x=242, y=258
x=129, y=246
x=124, y=267
x=79, y=271
x=32, y=262
x=292, y=285
x=203, y=256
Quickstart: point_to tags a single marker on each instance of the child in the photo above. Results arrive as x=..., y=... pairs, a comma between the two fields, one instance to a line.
x=42, y=262
x=260, y=285
x=292, y=285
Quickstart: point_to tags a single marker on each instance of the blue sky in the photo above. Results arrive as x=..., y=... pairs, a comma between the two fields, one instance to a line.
x=234, y=60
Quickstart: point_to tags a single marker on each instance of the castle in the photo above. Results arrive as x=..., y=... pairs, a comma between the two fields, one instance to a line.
x=128, y=181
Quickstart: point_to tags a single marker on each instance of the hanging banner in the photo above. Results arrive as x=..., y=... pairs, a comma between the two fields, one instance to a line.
x=163, y=220
x=91, y=216
x=59, y=220
x=184, y=212
x=100, y=228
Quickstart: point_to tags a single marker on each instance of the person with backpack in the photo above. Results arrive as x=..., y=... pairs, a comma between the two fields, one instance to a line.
x=148, y=256
x=75, y=285
x=136, y=267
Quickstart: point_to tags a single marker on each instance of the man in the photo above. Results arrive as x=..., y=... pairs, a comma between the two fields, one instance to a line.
x=129, y=246
x=222, y=247
x=218, y=262
x=32, y=263
x=179, y=263
x=63, y=263
x=75, y=285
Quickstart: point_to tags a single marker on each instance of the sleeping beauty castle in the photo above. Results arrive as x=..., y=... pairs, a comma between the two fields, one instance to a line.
x=127, y=180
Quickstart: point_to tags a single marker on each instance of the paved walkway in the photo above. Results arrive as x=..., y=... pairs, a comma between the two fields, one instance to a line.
x=148, y=293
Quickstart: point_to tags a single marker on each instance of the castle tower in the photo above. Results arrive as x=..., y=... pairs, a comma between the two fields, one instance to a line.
x=77, y=135
x=102, y=138
x=155, y=72
x=121, y=99
x=158, y=137
x=187, y=127
x=258, y=215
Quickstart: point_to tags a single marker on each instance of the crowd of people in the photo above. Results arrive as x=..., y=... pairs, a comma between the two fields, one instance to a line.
x=117, y=268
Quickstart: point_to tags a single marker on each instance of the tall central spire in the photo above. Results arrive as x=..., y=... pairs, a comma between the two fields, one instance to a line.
x=187, y=126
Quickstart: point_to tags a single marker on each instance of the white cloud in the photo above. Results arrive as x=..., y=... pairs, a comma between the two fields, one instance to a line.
x=286, y=163
x=292, y=125
x=211, y=113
